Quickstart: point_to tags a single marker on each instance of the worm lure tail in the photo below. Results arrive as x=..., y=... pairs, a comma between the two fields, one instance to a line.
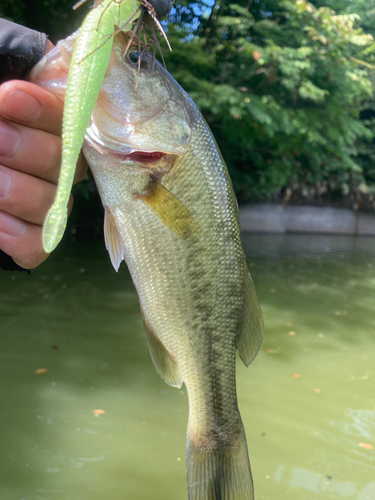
x=87, y=69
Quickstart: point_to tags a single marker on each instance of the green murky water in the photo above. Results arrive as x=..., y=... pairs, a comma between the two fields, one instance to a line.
x=307, y=401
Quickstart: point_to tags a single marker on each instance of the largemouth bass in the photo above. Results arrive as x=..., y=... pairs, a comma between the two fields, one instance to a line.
x=171, y=214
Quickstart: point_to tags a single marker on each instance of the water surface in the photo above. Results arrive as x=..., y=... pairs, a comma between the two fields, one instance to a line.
x=307, y=401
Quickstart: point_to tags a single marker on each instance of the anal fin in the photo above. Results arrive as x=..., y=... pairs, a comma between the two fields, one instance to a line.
x=251, y=336
x=165, y=363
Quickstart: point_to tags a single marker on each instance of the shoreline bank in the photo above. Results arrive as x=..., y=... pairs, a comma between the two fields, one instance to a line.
x=274, y=218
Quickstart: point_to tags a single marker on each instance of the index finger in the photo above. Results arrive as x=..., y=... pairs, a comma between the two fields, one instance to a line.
x=28, y=104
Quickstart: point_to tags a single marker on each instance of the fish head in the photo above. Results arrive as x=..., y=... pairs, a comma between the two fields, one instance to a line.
x=141, y=112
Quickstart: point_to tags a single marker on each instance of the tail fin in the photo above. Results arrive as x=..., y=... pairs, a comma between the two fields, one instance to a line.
x=223, y=473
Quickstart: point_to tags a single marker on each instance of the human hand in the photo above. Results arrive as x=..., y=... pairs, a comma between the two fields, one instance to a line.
x=30, y=156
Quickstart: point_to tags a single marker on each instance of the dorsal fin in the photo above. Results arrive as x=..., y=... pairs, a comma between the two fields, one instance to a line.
x=251, y=336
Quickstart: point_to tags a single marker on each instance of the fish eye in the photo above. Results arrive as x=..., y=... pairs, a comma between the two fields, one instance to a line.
x=134, y=57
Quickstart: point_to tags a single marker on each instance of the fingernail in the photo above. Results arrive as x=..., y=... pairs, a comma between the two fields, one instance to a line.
x=11, y=225
x=22, y=106
x=9, y=139
x=5, y=182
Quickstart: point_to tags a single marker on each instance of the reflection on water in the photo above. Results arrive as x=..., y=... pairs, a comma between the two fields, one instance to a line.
x=307, y=401
x=358, y=423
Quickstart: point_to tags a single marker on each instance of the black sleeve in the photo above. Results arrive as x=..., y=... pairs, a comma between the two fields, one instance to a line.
x=20, y=49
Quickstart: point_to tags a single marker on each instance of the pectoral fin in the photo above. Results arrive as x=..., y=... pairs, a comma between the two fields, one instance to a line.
x=251, y=336
x=165, y=363
x=113, y=242
x=169, y=210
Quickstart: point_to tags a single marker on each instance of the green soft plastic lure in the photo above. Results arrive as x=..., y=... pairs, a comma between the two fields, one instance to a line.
x=87, y=69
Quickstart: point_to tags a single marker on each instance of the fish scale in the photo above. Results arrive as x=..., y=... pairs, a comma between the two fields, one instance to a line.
x=174, y=220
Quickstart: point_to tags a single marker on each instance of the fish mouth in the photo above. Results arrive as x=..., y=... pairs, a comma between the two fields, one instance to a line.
x=125, y=151
x=142, y=157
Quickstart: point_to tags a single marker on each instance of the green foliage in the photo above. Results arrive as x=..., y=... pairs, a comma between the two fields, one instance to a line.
x=282, y=85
